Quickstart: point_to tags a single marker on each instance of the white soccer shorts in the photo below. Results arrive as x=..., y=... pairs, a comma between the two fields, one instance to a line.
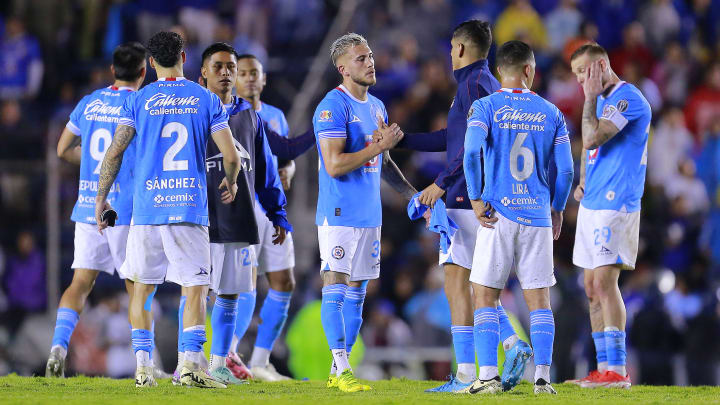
x=105, y=252
x=231, y=268
x=272, y=258
x=179, y=251
x=528, y=250
x=462, y=243
x=606, y=237
x=353, y=251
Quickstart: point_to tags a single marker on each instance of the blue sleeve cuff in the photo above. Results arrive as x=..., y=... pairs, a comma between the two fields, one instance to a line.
x=280, y=219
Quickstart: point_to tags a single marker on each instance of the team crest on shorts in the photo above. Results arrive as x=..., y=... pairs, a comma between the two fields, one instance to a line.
x=338, y=252
x=325, y=116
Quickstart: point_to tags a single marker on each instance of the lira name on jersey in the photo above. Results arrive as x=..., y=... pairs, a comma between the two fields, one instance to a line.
x=173, y=119
x=94, y=120
x=352, y=199
x=521, y=131
x=615, y=172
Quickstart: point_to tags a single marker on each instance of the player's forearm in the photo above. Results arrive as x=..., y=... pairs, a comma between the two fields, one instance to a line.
x=232, y=168
x=471, y=164
x=394, y=177
x=425, y=141
x=289, y=149
x=340, y=164
x=583, y=162
x=565, y=173
x=108, y=172
x=72, y=155
x=589, y=123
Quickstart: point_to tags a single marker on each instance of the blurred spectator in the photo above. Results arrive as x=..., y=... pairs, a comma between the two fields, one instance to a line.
x=154, y=16
x=672, y=73
x=633, y=49
x=563, y=23
x=24, y=280
x=20, y=137
x=661, y=22
x=684, y=184
x=632, y=74
x=703, y=105
x=671, y=143
x=520, y=21
x=21, y=65
x=200, y=19
x=252, y=21
x=588, y=33
x=563, y=91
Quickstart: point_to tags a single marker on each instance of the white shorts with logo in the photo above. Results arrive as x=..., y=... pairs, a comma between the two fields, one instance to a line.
x=353, y=251
x=462, y=243
x=179, y=253
x=271, y=257
x=606, y=237
x=231, y=267
x=528, y=250
x=104, y=252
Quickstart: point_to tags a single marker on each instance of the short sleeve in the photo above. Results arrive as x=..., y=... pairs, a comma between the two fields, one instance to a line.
x=561, y=132
x=73, y=124
x=478, y=120
x=330, y=120
x=127, y=114
x=622, y=107
x=218, y=115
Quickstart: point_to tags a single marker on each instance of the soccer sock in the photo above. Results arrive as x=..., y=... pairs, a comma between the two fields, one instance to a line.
x=142, y=346
x=487, y=337
x=245, y=310
x=222, y=321
x=331, y=315
x=181, y=347
x=508, y=337
x=600, y=351
x=542, y=335
x=615, y=346
x=65, y=324
x=193, y=340
x=464, y=346
x=152, y=342
x=352, y=314
x=273, y=315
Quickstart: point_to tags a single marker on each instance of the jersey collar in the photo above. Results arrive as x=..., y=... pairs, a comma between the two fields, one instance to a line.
x=121, y=88
x=463, y=73
x=347, y=92
x=506, y=90
x=613, y=89
x=170, y=79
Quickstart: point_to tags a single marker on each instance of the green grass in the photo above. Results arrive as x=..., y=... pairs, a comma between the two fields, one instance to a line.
x=85, y=390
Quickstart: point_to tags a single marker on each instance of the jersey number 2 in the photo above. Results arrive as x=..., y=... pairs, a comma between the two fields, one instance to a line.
x=518, y=150
x=169, y=162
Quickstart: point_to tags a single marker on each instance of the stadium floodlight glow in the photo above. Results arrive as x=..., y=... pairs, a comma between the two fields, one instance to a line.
x=666, y=281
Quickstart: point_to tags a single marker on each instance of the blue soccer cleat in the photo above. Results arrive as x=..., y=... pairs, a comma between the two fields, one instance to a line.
x=453, y=385
x=514, y=367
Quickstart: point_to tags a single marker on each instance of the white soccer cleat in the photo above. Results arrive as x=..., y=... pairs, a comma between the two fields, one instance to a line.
x=144, y=377
x=491, y=386
x=198, y=378
x=543, y=387
x=55, y=366
x=268, y=374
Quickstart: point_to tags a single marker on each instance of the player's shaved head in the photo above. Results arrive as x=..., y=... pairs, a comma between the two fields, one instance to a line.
x=514, y=56
x=166, y=48
x=341, y=45
x=128, y=61
x=476, y=34
x=593, y=50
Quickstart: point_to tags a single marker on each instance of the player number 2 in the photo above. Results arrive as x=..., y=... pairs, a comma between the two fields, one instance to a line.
x=98, y=154
x=245, y=257
x=603, y=233
x=518, y=150
x=169, y=162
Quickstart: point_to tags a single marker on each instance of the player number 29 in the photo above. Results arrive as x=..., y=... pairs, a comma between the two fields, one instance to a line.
x=169, y=162
x=518, y=150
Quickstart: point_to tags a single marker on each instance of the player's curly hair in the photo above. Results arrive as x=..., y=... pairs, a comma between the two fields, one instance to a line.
x=165, y=48
x=127, y=60
x=341, y=45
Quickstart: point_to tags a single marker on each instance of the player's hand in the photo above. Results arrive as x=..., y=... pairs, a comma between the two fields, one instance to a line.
x=579, y=193
x=228, y=195
x=592, y=86
x=427, y=215
x=286, y=175
x=557, y=220
x=484, y=213
x=390, y=135
x=100, y=206
x=430, y=195
x=377, y=136
x=279, y=235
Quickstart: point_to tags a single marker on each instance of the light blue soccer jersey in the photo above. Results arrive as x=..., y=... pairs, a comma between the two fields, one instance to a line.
x=94, y=120
x=352, y=199
x=615, y=172
x=173, y=119
x=520, y=134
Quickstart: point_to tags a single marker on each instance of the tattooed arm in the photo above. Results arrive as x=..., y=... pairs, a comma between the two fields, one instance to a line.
x=110, y=167
x=394, y=177
x=595, y=132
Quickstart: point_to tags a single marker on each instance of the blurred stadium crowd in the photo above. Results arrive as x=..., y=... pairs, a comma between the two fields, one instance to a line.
x=52, y=52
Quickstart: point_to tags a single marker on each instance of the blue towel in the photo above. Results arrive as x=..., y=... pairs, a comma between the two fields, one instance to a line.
x=439, y=221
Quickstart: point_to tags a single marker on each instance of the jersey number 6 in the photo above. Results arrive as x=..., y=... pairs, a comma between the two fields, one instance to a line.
x=518, y=150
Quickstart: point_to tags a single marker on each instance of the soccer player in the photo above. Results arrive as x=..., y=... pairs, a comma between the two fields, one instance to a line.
x=172, y=119
x=276, y=260
x=615, y=124
x=84, y=141
x=519, y=135
x=349, y=213
x=470, y=43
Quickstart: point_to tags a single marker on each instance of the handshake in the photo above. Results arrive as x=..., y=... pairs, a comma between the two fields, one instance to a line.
x=387, y=136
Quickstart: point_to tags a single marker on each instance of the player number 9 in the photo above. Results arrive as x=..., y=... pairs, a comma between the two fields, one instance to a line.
x=95, y=151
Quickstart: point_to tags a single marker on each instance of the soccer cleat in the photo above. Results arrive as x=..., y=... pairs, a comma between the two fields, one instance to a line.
x=225, y=376
x=144, y=377
x=176, y=378
x=347, y=382
x=55, y=366
x=238, y=368
x=198, y=378
x=491, y=386
x=610, y=379
x=268, y=374
x=516, y=358
x=543, y=387
x=587, y=379
x=332, y=381
x=453, y=385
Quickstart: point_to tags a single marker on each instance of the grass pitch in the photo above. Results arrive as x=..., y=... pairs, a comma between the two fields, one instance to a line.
x=86, y=390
